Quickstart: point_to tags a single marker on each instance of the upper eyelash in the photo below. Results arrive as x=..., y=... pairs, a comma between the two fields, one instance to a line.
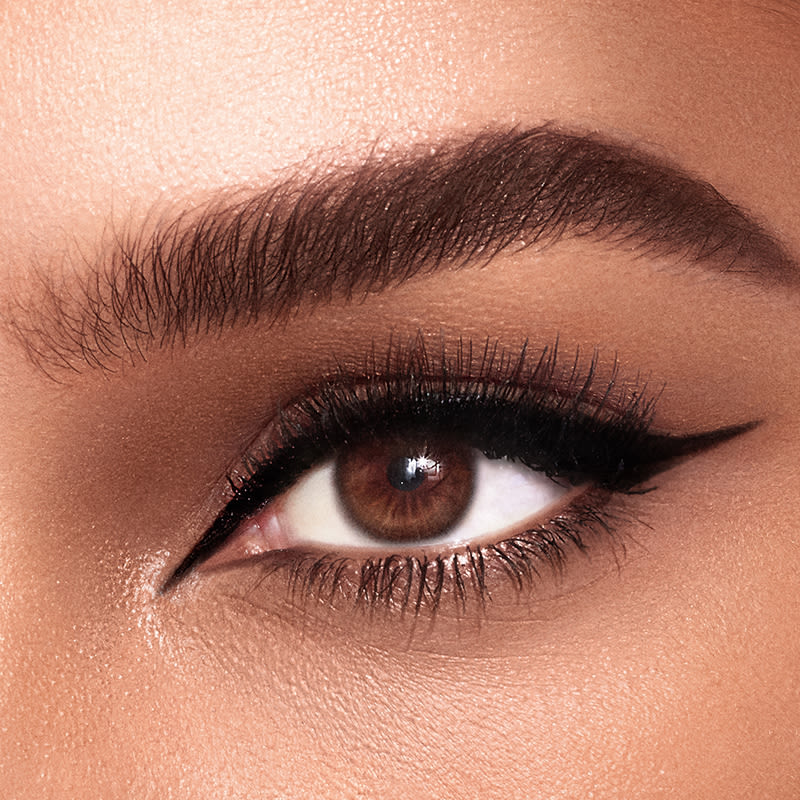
x=381, y=393
x=411, y=383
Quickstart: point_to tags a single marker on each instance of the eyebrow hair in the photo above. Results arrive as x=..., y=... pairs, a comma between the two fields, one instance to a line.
x=348, y=232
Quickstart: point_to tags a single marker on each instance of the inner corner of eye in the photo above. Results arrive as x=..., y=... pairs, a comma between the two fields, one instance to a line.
x=263, y=532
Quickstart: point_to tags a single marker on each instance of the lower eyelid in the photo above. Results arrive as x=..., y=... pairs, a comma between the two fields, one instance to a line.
x=456, y=582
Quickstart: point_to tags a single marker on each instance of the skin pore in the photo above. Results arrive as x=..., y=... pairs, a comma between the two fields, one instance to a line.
x=660, y=664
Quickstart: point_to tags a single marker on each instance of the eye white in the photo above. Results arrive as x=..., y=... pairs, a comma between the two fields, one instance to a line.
x=506, y=496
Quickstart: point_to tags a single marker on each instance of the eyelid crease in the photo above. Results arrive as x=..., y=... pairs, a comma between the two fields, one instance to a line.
x=349, y=231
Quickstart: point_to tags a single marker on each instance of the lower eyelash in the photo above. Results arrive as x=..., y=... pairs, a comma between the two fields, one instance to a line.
x=464, y=579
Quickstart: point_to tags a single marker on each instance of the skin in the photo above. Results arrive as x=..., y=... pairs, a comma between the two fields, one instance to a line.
x=666, y=671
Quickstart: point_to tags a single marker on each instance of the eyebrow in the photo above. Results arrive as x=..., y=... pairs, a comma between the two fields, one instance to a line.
x=351, y=231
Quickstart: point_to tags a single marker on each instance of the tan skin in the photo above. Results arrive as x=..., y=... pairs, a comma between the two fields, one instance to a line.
x=669, y=670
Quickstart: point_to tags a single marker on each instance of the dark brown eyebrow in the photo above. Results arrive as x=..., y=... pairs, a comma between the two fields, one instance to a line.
x=347, y=232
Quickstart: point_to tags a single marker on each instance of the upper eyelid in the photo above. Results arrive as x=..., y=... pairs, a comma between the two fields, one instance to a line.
x=364, y=228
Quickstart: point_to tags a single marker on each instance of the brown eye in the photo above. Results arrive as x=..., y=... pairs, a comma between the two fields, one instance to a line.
x=422, y=490
x=406, y=491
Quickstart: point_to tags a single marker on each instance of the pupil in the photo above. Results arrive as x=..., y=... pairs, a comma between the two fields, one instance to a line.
x=408, y=474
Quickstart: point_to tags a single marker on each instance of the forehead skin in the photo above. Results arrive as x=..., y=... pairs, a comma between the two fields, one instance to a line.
x=110, y=109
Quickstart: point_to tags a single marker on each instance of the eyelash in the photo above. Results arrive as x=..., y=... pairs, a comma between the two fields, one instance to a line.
x=552, y=419
x=410, y=582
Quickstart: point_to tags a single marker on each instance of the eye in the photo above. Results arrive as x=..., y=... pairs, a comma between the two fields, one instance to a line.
x=416, y=461
x=426, y=492
x=399, y=494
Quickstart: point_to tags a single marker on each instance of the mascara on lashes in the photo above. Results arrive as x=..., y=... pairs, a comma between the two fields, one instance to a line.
x=550, y=420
